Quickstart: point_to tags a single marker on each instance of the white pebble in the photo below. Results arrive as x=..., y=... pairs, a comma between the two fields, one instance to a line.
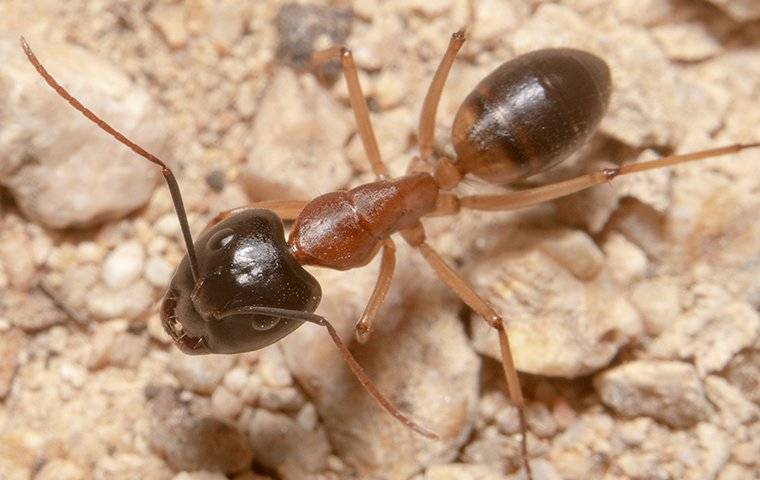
x=158, y=271
x=123, y=265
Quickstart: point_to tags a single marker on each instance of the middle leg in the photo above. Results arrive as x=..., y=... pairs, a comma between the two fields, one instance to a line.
x=416, y=238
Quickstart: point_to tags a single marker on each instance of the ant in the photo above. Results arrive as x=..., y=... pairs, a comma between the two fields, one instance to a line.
x=242, y=286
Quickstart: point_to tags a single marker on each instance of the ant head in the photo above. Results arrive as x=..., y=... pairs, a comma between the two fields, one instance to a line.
x=243, y=262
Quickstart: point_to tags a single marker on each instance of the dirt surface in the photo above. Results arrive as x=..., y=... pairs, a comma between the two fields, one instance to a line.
x=632, y=306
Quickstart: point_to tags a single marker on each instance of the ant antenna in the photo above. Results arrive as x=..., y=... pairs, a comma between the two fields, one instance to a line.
x=179, y=207
x=348, y=358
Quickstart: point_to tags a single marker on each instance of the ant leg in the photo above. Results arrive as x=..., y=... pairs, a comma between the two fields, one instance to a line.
x=433, y=97
x=357, y=369
x=384, y=278
x=534, y=196
x=416, y=238
x=358, y=104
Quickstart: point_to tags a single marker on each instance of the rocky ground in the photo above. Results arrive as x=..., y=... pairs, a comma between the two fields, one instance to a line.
x=633, y=306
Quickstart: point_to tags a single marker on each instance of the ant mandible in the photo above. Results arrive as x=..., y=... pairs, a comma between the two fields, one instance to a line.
x=241, y=286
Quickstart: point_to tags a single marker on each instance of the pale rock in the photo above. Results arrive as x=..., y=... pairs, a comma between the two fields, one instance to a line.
x=224, y=404
x=12, y=345
x=641, y=106
x=76, y=284
x=226, y=23
x=20, y=269
x=235, y=379
x=113, y=345
x=626, y=262
x=73, y=374
x=375, y=46
x=427, y=8
x=272, y=368
x=462, y=471
x=748, y=452
x=741, y=10
x=246, y=99
x=734, y=472
x=667, y=391
x=298, y=128
x=642, y=12
x=61, y=169
x=744, y=373
x=421, y=362
x=307, y=417
x=540, y=420
x=156, y=329
x=30, y=311
x=494, y=20
x=716, y=449
x=200, y=373
x=283, y=445
x=171, y=20
x=542, y=470
x=730, y=401
x=558, y=324
x=192, y=443
x=129, y=302
x=686, y=41
x=657, y=300
x=494, y=450
x=123, y=265
x=576, y=251
x=651, y=187
x=59, y=469
x=287, y=399
x=390, y=89
x=252, y=389
x=158, y=272
x=200, y=475
x=711, y=332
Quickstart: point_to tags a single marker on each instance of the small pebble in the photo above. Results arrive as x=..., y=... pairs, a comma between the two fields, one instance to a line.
x=123, y=265
x=158, y=272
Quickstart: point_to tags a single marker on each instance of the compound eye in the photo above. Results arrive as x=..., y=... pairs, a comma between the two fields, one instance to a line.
x=220, y=239
x=263, y=323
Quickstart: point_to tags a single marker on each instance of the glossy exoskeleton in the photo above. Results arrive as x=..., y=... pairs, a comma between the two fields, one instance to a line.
x=242, y=285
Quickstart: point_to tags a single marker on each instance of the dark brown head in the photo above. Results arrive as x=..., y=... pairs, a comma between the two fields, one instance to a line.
x=531, y=113
x=243, y=262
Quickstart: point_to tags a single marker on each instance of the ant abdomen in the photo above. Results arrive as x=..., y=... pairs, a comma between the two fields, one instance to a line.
x=530, y=113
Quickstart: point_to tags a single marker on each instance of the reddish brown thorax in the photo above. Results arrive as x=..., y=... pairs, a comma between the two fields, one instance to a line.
x=344, y=229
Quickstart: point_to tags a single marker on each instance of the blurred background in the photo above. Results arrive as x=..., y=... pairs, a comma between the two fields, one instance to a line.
x=632, y=306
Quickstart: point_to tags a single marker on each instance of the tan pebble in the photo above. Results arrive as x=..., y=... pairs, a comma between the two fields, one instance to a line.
x=252, y=389
x=170, y=19
x=12, y=344
x=158, y=272
x=658, y=302
x=236, y=379
x=200, y=373
x=307, y=417
x=272, y=368
x=224, y=404
x=156, y=329
x=668, y=391
x=626, y=262
x=734, y=472
x=283, y=445
x=462, y=471
x=576, y=251
x=687, y=41
x=58, y=469
x=123, y=265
